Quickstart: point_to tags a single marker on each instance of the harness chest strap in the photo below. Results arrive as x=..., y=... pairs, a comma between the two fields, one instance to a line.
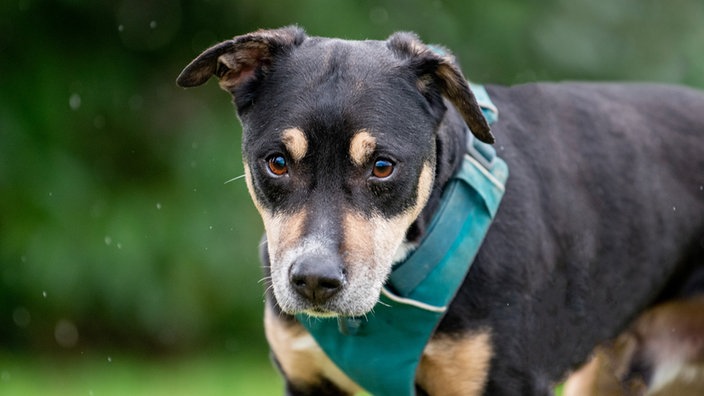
x=382, y=350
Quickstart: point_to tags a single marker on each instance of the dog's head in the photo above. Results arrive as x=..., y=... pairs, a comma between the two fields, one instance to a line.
x=339, y=149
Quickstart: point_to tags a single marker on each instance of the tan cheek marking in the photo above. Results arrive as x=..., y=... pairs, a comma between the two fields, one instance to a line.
x=358, y=244
x=282, y=232
x=362, y=146
x=296, y=143
x=290, y=230
x=300, y=357
x=376, y=239
x=455, y=365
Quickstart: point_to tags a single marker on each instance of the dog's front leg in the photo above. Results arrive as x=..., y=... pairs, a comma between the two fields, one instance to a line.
x=455, y=364
x=306, y=368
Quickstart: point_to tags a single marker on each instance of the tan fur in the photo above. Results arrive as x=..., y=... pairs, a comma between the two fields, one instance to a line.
x=362, y=147
x=241, y=64
x=299, y=355
x=282, y=232
x=598, y=378
x=358, y=242
x=668, y=337
x=296, y=143
x=455, y=365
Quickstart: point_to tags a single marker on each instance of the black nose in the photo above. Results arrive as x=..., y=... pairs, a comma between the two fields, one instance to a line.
x=317, y=278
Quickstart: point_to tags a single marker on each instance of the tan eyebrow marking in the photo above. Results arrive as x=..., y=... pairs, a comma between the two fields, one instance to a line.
x=362, y=146
x=296, y=143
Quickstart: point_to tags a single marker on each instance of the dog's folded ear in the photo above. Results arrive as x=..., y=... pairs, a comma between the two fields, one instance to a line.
x=242, y=59
x=437, y=70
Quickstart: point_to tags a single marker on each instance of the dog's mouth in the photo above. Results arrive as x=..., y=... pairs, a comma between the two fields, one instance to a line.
x=355, y=295
x=321, y=312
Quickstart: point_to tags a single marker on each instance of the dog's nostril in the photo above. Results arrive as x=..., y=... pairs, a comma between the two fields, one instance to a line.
x=330, y=283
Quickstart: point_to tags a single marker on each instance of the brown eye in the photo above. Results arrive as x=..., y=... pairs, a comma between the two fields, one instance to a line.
x=277, y=165
x=382, y=168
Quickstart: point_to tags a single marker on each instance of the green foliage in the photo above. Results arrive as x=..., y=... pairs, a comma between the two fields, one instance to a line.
x=118, y=374
x=116, y=226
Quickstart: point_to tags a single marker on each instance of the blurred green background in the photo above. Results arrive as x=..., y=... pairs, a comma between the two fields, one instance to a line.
x=127, y=265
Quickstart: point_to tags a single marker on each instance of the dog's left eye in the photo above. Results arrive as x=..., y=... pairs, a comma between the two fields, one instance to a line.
x=277, y=165
x=383, y=168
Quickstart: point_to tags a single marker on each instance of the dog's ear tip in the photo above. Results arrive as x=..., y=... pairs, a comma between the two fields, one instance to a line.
x=486, y=137
x=183, y=81
x=190, y=78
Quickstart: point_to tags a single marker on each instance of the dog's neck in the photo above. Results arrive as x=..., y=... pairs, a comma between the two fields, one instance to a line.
x=450, y=143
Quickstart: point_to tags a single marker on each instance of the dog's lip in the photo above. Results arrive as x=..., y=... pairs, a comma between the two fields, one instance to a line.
x=320, y=312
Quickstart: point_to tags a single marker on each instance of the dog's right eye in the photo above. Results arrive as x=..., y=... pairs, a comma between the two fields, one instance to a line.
x=383, y=168
x=277, y=165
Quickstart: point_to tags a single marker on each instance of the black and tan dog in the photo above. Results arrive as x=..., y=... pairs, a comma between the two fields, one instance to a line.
x=347, y=146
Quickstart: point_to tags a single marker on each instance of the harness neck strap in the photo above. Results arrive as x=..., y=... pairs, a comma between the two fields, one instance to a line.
x=382, y=350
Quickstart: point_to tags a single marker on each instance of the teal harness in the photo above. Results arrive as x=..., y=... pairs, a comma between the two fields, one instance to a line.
x=381, y=351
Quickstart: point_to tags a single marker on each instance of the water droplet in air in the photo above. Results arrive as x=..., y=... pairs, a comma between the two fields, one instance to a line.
x=120, y=28
x=108, y=240
x=74, y=101
x=152, y=24
x=44, y=294
x=158, y=205
x=109, y=359
x=21, y=317
x=66, y=333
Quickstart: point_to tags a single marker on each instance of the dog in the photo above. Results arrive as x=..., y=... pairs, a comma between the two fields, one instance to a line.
x=347, y=148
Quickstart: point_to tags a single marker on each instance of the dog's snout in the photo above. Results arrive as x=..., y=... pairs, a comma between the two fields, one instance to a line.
x=317, y=278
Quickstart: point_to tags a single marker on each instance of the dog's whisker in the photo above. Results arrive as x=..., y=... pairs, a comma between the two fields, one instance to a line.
x=382, y=303
x=234, y=178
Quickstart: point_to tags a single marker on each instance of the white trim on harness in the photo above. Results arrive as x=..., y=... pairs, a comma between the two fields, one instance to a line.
x=411, y=302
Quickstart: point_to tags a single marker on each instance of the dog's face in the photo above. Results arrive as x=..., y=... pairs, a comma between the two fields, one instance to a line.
x=339, y=148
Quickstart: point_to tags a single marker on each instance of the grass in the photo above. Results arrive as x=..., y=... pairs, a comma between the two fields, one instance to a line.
x=118, y=375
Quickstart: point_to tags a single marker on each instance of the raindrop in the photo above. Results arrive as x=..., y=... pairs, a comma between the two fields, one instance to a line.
x=119, y=245
x=158, y=205
x=120, y=28
x=108, y=240
x=379, y=15
x=74, y=101
x=135, y=102
x=21, y=317
x=99, y=122
x=674, y=208
x=152, y=24
x=66, y=333
x=109, y=359
x=44, y=294
x=5, y=376
x=211, y=227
